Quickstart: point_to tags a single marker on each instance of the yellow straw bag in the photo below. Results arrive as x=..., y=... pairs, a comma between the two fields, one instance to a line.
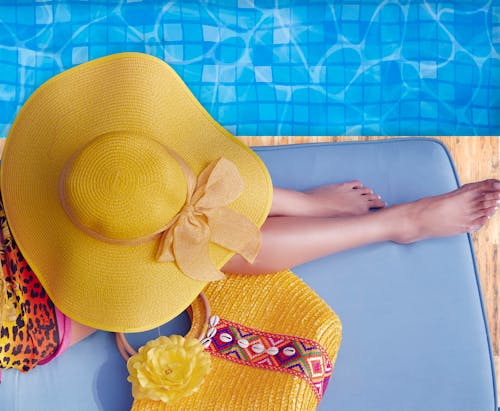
x=272, y=343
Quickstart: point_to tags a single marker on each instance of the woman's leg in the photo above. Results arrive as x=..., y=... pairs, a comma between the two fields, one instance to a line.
x=292, y=240
x=334, y=200
x=297, y=230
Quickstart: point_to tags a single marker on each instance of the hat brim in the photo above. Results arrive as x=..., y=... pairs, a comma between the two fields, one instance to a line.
x=112, y=287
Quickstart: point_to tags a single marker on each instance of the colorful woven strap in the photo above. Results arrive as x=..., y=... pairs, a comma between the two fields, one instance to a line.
x=277, y=352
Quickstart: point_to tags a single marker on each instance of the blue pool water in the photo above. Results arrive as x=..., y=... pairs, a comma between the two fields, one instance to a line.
x=281, y=67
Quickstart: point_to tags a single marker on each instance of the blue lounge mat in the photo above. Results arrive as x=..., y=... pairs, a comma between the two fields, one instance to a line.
x=415, y=334
x=263, y=67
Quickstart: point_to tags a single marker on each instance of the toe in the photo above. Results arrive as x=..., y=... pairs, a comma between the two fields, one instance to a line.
x=489, y=185
x=354, y=184
x=371, y=197
x=491, y=196
x=494, y=184
x=488, y=204
x=484, y=186
x=477, y=223
x=377, y=203
x=485, y=212
x=365, y=190
x=491, y=210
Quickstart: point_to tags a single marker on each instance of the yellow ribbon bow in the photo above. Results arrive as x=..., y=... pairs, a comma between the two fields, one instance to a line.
x=205, y=218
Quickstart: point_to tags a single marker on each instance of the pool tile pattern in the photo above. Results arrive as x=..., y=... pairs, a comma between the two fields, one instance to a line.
x=281, y=67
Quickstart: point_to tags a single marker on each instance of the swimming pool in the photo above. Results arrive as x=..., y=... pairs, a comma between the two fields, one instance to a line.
x=281, y=67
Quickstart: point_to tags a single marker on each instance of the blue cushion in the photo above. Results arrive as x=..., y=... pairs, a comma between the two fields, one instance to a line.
x=415, y=335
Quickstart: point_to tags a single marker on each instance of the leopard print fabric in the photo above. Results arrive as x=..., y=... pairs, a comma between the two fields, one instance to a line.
x=29, y=333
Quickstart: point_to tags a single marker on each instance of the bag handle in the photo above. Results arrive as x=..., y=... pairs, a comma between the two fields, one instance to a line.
x=126, y=350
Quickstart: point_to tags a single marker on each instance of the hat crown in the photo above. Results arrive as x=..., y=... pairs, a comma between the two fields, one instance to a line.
x=122, y=186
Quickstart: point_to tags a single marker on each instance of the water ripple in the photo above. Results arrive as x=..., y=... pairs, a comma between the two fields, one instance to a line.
x=263, y=67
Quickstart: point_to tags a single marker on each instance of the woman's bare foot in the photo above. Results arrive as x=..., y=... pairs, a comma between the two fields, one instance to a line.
x=463, y=210
x=345, y=199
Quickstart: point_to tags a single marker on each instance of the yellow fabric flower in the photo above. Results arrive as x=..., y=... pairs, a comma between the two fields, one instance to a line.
x=168, y=368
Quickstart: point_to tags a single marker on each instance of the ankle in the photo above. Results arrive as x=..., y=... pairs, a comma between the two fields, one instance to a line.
x=405, y=221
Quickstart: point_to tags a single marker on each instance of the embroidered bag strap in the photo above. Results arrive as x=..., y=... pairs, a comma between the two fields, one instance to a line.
x=289, y=354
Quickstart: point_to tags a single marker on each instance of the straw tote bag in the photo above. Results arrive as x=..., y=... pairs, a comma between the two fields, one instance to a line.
x=272, y=341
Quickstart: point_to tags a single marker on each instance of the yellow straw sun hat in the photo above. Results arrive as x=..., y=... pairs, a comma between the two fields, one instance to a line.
x=124, y=195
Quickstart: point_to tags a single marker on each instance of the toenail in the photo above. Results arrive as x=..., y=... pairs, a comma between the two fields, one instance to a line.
x=381, y=198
